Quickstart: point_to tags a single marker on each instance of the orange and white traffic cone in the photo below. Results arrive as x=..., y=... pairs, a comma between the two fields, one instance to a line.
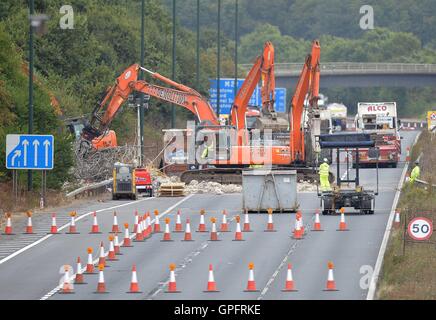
x=188, y=234
x=126, y=242
x=67, y=287
x=224, y=224
x=29, y=227
x=289, y=284
x=94, y=228
x=211, y=284
x=135, y=225
x=111, y=254
x=298, y=233
x=172, y=286
x=317, y=223
x=150, y=229
x=342, y=224
x=139, y=236
x=53, y=228
x=299, y=221
x=102, y=256
x=145, y=227
x=213, y=233
x=115, y=228
x=246, y=222
x=408, y=154
x=101, y=286
x=8, y=228
x=331, y=284
x=397, y=219
x=79, y=274
x=202, y=225
x=72, y=229
x=156, y=222
x=90, y=263
x=178, y=227
x=167, y=234
x=270, y=223
x=117, y=245
x=238, y=233
x=134, y=287
x=251, y=284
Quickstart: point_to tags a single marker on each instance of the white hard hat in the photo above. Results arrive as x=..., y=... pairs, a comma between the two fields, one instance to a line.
x=325, y=160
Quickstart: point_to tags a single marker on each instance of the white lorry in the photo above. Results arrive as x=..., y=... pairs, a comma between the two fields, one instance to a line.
x=338, y=115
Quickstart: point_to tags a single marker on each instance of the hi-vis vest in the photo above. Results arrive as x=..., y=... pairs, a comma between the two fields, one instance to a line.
x=324, y=169
x=206, y=151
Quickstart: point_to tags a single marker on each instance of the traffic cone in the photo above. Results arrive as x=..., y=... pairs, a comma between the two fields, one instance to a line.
x=289, y=284
x=251, y=284
x=246, y=222
x=29, y=227
x=101, y=286
x=299, y=221
x=102, y=257
x=94, y=228
x=213, y=233
x=331, y=284
x=224, y=225
x=139, y=237
x=72, y=229
x=270, y=224
x=67, y=287
x=90, y=263
x=79, y=275
x=135, y=225
x=202, y=225
x=298, y=233
x=408, y=154
x=238, y=233
x=8, y=228
x=211, y=284
x=117, y=245
x=111, y=254
x=167, y=234
x=156, y=222
x=150, y=229
x=115, y=228
x=134, y=287
x=54, y=228
x=172, y=287
x=178, y=227
x=397, y=219
x=342, y=224
x=126, y=241
x=317, y=223
x=188, y=235
x=145, y=227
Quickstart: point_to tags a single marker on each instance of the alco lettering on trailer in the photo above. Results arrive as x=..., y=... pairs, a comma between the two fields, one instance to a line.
x=377, y=108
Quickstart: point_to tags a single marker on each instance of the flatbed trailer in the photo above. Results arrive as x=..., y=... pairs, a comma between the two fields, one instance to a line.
x=341, y=195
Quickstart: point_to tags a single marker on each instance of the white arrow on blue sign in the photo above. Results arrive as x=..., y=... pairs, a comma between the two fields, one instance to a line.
x=29, y=151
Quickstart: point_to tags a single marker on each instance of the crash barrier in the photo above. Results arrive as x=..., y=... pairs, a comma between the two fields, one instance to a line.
x=90, y=190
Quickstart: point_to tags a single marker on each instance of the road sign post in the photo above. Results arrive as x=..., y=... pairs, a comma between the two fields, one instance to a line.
x=30, y=152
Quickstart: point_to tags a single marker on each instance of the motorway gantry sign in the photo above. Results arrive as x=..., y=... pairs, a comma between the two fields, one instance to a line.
x=29, y=151
x=420, y=228
x=227, y=95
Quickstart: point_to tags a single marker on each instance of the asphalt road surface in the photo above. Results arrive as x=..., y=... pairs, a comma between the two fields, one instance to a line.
x=34, y=272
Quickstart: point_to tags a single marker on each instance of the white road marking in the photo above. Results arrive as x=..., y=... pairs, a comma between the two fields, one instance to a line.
x=56, y=289
x=381, y=253
x=16, y=253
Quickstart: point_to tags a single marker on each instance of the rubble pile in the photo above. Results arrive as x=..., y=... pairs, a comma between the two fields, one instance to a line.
x=211, y=187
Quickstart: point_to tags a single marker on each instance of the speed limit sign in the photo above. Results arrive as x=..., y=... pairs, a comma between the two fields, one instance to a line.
x=420, y=228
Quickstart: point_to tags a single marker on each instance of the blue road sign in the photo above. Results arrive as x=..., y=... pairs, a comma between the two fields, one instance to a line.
x=29, y=151
x=227, y=95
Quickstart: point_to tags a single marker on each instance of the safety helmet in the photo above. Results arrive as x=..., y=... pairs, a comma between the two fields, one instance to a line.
x=416, y=162
x=325, y=160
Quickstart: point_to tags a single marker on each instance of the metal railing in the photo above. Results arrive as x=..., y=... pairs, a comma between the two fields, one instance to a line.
x=90, y=190
x=291, y=69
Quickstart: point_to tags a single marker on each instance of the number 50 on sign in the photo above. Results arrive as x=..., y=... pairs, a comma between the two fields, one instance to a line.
x=420, y=228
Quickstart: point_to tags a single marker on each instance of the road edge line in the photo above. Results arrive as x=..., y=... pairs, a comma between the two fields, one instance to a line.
x=375, y=275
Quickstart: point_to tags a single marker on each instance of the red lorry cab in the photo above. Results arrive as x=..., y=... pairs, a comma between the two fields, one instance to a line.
x=143, y=181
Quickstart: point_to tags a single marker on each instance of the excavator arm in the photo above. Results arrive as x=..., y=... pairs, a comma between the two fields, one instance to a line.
x=308, y=83
x=128, y=82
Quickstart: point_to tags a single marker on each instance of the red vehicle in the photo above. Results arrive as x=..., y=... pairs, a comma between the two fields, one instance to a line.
x=380, y=120
x=143, y=182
